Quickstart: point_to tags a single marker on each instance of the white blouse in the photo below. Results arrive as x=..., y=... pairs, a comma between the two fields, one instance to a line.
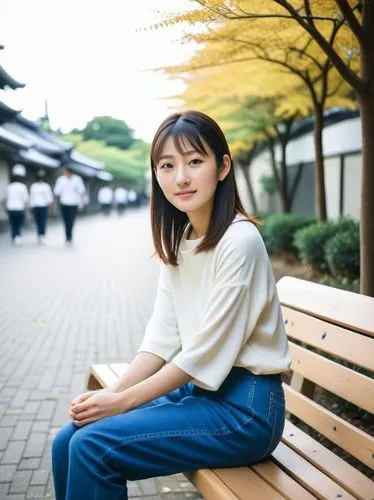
x=219, y=309
x=17, y=196
x=40, y=194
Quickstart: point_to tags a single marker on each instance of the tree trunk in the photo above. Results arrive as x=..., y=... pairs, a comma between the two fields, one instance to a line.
x=366, y=103
x=320, y=168
x=252, y=198
x=284, y=178
x=278, y=181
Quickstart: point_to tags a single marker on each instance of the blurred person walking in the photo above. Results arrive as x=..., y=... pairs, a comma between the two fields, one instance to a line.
x=121, y=199
x=133, y=197
x=70, y=190
x=105, y=198
x=16, y=199
x=40, y=197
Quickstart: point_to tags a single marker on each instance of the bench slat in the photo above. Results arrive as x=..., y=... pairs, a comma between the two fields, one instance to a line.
x=345, y=435
x=344, y=382
x=281, y=481
x=333, y=466
x=341, y=307
x=242, y=482
x=308, y=475
x=335, y=340
x=100, y=376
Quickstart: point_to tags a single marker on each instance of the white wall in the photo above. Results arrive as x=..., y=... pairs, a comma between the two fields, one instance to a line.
x=352, y=186
x=343, y=137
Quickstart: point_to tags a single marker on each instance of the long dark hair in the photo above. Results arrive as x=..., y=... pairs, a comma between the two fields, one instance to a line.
x=168, y=223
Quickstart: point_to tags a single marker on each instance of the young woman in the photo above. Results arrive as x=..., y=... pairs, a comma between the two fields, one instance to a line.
x=16, y=200
x=204, y=389
x=40, y=198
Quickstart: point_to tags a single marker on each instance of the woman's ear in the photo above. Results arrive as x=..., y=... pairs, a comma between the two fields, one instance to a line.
x=225, y=167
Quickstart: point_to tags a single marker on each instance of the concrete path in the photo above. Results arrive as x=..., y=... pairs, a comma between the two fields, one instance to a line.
x=62, y=309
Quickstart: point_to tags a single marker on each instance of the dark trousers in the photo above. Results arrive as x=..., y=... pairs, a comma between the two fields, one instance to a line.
x=68, y=213
x=106, y=208
x=16, y=218
x=40, y=216
x=121, y=207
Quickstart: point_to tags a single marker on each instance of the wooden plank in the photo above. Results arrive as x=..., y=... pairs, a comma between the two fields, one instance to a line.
x=307, y=475
x=102, y=374
x=338, y=470
x=348, y=309
x=205, y=481
x=345, y=435
x=281, y=481
x=344, y=382
x=345, y=344
x=119, y=368
x=241, y=482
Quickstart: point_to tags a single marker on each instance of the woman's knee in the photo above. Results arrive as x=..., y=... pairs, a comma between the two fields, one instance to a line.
x=62, y=439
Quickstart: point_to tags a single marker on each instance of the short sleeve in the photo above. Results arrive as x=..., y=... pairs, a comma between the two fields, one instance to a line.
x=162, y=335
x=57, y=188
x=81, y=187
x=237, y=300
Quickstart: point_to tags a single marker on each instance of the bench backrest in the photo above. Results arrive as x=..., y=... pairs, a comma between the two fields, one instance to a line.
x=331, y=333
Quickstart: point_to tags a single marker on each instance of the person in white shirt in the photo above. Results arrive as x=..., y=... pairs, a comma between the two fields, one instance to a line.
x=16, y=199
x=204, y=389
x=105, y=198
x=41, y=197
x=132, y=197
x=121, y=199
x=70, y=190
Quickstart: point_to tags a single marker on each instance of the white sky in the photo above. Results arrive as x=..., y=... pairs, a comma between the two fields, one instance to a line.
x=87, y=59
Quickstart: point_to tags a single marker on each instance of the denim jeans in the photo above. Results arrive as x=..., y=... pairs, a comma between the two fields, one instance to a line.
x=188, y=429
x=69, y=213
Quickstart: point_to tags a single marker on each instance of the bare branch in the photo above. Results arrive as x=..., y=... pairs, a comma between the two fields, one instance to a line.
x=352, y=78
x=308, y=10
x=351, y=19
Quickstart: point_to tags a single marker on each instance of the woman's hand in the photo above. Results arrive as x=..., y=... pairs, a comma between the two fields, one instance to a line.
x=95, y=405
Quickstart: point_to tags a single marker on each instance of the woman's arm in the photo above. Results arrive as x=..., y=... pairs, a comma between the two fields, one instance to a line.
x=105, y=404
x=143, y=366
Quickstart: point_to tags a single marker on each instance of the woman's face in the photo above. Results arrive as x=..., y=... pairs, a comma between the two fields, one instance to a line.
x=189, y=180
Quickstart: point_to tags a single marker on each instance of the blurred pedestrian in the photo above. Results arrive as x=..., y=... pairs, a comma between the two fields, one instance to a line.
x=132, y=197
x=16, y=199
x=40, y=197
x=70, y=190
x=105, y=198
x=121, y=199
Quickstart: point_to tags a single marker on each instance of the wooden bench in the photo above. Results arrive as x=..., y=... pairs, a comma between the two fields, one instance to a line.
x=338, y=328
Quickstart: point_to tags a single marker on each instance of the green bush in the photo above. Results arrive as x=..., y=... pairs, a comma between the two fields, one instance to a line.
x=278, y=230
x=342, y=253
x=311, y=241
x=343, y=282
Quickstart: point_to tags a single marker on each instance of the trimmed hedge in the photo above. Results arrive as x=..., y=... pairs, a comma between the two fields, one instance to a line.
x=278, y=230
x=311, y=241
x=342, y=253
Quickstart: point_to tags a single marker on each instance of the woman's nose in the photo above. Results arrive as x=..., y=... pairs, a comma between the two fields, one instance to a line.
x=182, y=177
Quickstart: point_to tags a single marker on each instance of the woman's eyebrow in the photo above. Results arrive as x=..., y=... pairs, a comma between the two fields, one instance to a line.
x=185, y=153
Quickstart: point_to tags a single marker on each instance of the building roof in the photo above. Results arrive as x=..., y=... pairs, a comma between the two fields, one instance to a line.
x=105, y=176
x=7, y=81
x=33, y=156
x=77, y=157
x=6, y=112
x=10, y=138
x=41, y=143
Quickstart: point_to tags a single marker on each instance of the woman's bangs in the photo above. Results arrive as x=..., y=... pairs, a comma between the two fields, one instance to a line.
x=184, y=137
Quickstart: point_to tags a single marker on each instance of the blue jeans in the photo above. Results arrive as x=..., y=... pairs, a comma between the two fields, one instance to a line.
x=16, y=218
x=40, y=216
x=188, y=429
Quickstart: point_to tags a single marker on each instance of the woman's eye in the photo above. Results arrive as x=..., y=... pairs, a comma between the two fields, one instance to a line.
x=195, y=161
x=166, y=166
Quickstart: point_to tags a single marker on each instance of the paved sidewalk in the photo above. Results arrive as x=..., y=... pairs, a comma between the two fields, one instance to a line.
x=62, y=309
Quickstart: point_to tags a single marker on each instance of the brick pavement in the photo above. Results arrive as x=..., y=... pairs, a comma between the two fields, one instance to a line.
x=61, y=310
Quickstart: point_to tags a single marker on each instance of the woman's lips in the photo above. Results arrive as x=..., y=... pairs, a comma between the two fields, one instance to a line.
x=185, y=194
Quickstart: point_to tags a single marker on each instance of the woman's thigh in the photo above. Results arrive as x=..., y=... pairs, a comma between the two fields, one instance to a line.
x=175, y=434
